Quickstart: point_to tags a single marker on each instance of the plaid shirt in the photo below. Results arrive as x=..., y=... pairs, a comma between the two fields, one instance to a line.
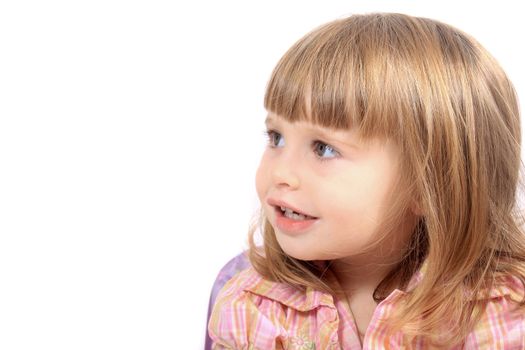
x=253, y=313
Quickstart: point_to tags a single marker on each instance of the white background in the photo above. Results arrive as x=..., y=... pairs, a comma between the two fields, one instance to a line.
x=130, y=133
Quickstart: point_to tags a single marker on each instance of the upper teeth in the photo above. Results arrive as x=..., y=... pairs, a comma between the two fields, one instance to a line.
x=289, y=213
x=287, y=209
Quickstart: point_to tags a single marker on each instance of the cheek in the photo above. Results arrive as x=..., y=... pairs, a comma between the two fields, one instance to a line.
x=356, y=202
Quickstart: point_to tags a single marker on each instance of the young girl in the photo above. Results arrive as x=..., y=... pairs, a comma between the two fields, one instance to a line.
x=388, y=197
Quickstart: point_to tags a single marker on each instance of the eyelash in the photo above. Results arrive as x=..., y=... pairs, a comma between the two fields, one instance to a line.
x=270, y=133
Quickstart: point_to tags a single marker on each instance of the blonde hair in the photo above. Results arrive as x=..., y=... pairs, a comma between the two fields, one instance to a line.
x=454, y=114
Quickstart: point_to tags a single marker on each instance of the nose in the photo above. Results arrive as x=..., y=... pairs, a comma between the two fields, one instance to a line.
x=284, y=173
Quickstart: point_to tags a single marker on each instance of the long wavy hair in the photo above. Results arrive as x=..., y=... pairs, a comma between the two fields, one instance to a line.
x=455, y=116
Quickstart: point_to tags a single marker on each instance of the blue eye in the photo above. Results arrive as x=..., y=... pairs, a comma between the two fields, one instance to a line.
x=272, y=136
x=321, y=149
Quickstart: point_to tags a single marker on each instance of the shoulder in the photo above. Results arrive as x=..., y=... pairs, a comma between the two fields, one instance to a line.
x=239, y=311
x=502, y=324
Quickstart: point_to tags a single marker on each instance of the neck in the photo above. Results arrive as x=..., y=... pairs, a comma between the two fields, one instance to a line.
x=356, y=276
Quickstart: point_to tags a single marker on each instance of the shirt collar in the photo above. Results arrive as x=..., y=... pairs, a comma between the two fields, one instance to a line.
x=309, y=299
x=290, y=296
x=313, y=298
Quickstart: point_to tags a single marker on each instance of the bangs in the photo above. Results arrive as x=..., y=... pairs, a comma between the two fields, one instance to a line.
x=340, y=76
x=310, y=83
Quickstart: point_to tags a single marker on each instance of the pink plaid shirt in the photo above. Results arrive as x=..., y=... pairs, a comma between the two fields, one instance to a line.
x=253, y=313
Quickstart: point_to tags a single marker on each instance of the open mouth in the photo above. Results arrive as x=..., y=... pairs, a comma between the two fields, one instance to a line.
x=290, y=214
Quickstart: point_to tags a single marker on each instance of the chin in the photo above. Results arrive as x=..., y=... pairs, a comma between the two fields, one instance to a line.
x=298, y=252
x=299, y=256
x=297, y=247
x=301, y=253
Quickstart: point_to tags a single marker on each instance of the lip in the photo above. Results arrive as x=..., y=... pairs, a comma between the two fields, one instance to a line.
x=280, y=203
x=290, y=226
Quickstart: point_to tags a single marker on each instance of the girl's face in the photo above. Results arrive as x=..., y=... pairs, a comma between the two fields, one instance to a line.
x=331, y=176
